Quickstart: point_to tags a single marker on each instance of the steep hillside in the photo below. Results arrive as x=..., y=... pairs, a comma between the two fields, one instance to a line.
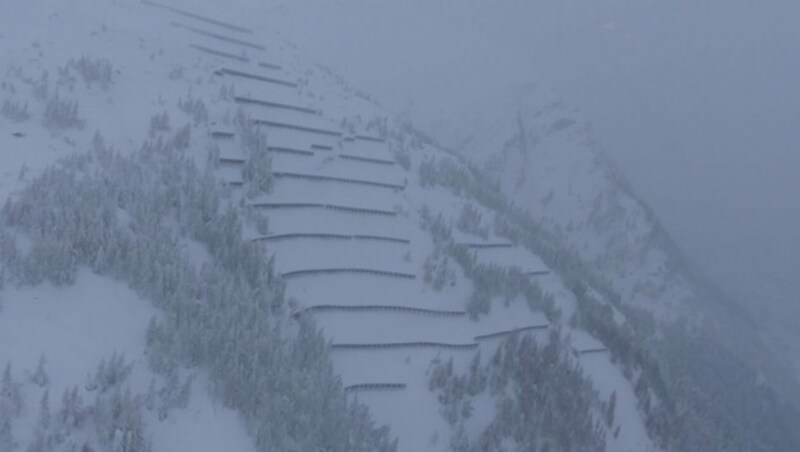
x=290, y=264
x=543, y=157
x=541, y=154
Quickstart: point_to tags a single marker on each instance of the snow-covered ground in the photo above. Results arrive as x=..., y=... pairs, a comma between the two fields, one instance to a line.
x=343, y=182
x=76, y=327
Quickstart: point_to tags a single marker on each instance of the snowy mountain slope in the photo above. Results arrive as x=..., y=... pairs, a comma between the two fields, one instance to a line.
x=258, y=169
x=541, y=154
x=641, y=266
x=349, y=171
x=544, y=158
x=50, y=51
x=384, y=355
x=74, y=329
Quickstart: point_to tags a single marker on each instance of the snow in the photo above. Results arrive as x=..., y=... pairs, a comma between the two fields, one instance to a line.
x=514, y=315
x=257, y=89
x=286, y=116
x=510, y=257
x=338, y=222
x=77, y=326
x=203, y=426
x=607, y=379
x=339, y=253
x=298, y=139
x=332, y=163
x=415, y=416
x=74, y=328
x=551, y=167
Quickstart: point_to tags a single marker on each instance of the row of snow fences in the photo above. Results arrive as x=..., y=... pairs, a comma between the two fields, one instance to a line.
x=348, y=270
x=328, y=236
x=366, y=159
x=314, y=205
x=369, y=138
x=402, y=345
x=322, y=147
x=220, y=53
x=488, y=245
x=537, y=273
x=208, y=20
x=380, y=308
x=484, y=337
x=288, y=150
x=266, y=65
x=376, y=387
x=266, y=103
x=589, y=351
x=251, y=76
x=231, y=160
x=219, y=37
x=297, y=127
x=222, y=135
x=345, y=180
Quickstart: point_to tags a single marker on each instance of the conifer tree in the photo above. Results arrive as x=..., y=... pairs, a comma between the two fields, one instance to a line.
x=40, y=377
x=7, y=443
x=10, y=395
x=42, y=440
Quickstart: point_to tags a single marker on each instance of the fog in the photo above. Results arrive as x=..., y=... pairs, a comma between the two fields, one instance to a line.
x=697, y=102
x=276, y=267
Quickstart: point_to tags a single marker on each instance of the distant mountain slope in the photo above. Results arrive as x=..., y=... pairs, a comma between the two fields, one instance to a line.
x=340, y=282
x=542, y=155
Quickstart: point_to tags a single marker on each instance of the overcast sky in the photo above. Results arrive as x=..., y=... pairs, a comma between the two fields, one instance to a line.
x=697, y=101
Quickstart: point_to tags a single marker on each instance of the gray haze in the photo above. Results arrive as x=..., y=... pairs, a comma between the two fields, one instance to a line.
x=698, y=102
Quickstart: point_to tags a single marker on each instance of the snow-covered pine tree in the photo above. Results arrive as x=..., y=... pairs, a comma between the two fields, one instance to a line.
x=40, y=377
x=7, y=443
x=42, y=438
x=72, y=413
x=10, y=395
